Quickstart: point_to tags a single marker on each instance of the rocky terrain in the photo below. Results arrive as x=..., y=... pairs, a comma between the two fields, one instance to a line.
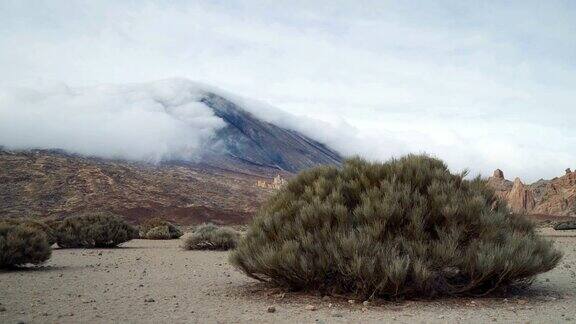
x=555, y=197
x=50, y=184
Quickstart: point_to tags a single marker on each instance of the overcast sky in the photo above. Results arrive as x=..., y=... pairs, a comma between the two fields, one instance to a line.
x=484, y=85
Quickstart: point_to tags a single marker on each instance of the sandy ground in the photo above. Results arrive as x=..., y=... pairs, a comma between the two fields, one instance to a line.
x=155, y=281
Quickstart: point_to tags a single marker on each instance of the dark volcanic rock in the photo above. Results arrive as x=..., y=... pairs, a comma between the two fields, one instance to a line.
x=252, y=140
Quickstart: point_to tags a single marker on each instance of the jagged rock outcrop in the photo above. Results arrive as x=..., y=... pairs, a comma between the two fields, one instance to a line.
x=498, y=174
x=559, y=197
x=500, y=184
x=556, y=197
x=520, y=199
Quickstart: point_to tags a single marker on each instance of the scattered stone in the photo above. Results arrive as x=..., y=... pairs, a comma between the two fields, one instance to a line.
x=310, y=307
x=149, y=300
x=549, y=298
x=351, y=301
x=366, y=303
x=326, y=298
x=364, y=309
x=271, y=309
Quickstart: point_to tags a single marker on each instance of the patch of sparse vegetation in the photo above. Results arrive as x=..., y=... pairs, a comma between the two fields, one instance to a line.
x=211, y=237
x=566, y=225
x=35, y=224
x=94, y=230
x=21, y=244
x=404, y=228
x=159, y=229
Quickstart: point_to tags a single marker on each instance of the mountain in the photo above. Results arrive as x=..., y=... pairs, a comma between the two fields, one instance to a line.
x=249, y=139
x=555, y=197
x=219, y=185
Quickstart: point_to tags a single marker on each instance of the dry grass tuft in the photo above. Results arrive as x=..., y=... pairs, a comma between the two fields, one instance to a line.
x=159, y=229
x=211, y=237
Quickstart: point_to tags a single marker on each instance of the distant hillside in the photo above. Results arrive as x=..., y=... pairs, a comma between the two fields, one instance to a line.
x=44, y=183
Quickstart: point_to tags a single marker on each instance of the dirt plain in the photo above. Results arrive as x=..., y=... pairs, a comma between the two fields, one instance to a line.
x=157, y=282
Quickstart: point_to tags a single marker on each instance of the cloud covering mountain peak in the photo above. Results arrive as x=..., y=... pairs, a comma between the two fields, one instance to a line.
x=171, y=119
x=151, y=122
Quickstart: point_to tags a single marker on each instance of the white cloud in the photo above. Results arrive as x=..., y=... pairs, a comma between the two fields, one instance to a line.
x=150, y=122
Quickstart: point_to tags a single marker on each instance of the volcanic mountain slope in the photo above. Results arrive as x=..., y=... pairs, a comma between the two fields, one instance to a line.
x=249, y=139
x=556, y=197
x=218, y=185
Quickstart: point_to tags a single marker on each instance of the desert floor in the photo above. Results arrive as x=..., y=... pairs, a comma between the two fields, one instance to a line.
x=155, y=281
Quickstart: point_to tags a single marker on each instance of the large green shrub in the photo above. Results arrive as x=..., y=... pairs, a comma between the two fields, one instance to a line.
x=407, y=227
x=89, y=230
x=159, y=229
x=21, y=244
x=211, y=237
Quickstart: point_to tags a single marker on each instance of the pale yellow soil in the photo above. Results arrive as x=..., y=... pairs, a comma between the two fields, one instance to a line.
x=102, y=286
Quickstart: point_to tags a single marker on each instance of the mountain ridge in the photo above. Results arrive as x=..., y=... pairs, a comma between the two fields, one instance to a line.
x=220, y=185
x=555, y=197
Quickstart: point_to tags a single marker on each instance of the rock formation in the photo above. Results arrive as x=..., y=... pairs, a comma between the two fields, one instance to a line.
x=520, y=199
x=556, y=197
x=498, y=174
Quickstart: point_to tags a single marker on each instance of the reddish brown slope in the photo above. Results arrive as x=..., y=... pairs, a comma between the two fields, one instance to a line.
x=41, y=183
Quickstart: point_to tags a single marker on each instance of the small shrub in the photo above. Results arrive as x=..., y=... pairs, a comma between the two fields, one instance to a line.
x=35, y=224
x=21, y=244
x=159, y=233
x=211, y=237
x=90, y=230
x=159, y=229
x=404, y=228
x=566, y=225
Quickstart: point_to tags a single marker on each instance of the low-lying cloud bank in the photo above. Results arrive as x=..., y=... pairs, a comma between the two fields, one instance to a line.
x=146, y=122
x=151, y=122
